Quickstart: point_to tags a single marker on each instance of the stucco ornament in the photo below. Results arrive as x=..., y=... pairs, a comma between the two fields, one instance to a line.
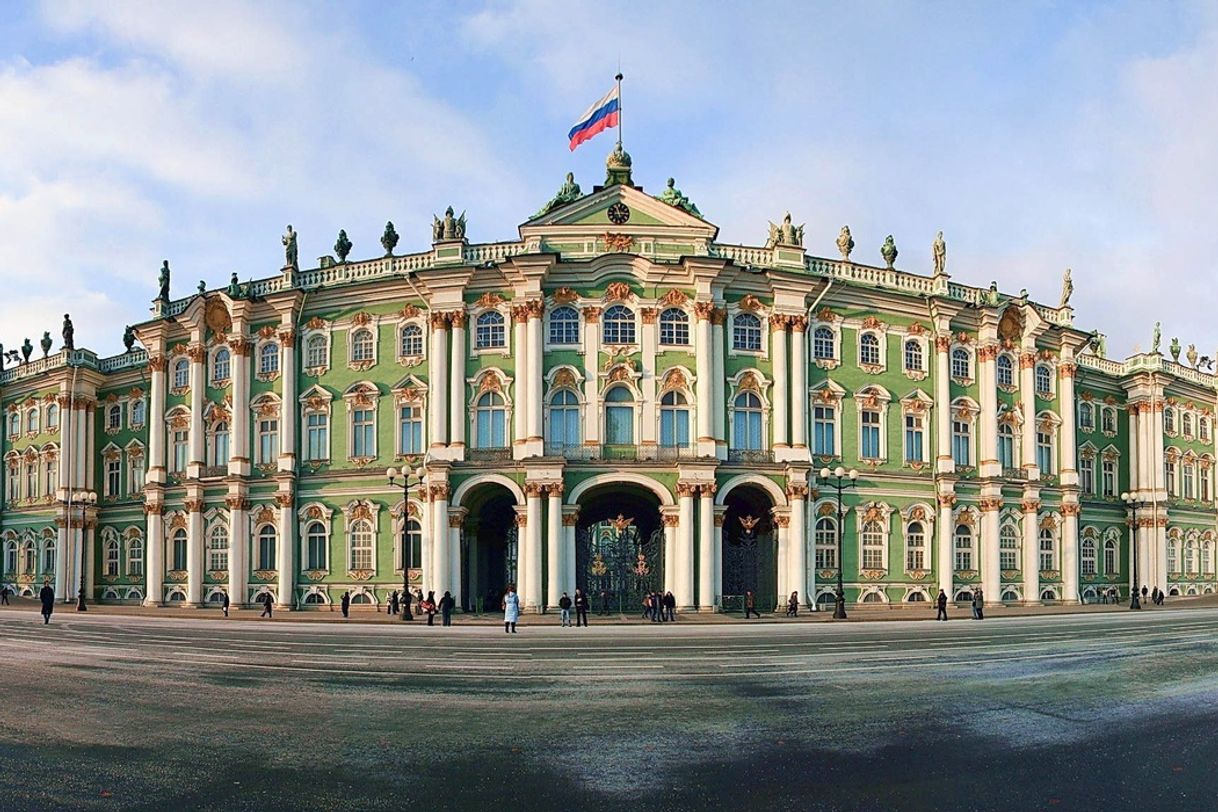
x=569, y=192
x=939, y=254
x=673, y=197
x=889, y=251
x=1174, y=349
x=450, y=228
x=389, y=238
x=785, y=233
x=845, y=243
x=342, y=246
x=291, y=254
x=1067, y=289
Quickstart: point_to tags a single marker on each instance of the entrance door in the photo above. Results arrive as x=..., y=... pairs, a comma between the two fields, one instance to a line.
x=750, y=565
x=616, y=565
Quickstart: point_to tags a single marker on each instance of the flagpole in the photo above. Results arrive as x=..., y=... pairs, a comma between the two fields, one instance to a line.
x=619, y=107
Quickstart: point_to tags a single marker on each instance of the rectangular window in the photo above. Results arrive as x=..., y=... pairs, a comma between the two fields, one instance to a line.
x=962, y=445
x=823, y=440
x=914, y=433
x=1205, y=484
x=181, y=445
x=869, y=435
x=1169, y=477
x=1006, y=449
x=1086, y=470
x=1044, y=452
x=363, y=433
x=1188, y=482
x=674, y=428
x=114, y=477
x=1046, y=553
x=136, y=466
x=51, y=478
x=410, y=430
x=317, y=436
x=268, y=441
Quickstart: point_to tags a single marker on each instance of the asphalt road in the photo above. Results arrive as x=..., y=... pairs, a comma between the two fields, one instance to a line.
x=1113, y=711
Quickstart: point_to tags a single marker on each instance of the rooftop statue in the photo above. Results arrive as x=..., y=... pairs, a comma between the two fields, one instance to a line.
x=203, y=286
x=673, y=197
x=46, y=343
x=449, y=228
x=69, y=333
x=129, y=338
x=992, y=297
x=1156, y=337
x=569, y=192
x=1099, y=344
x=1067, y=289
x=1191, y=355
x=290, y=253
x=939, y=254
x=342, y=246
x=845, y=243
x=1174, y=349
x=786, y=234
x=164, y=282
x=1206, y=363
x=389, y=239
x=889, y=251
x=234, y=287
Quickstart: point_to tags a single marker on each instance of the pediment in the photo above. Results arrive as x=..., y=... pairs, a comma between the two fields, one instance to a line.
x=590, y=214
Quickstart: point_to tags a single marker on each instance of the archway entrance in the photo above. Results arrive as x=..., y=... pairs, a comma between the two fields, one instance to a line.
x=750, y=550
x=619, y=548
x=489, y=548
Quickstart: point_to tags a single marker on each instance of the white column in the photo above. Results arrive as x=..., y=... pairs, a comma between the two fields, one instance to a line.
x=554, y=544
x=570, y=517
x=154, y=554
x=194, y=549
x=1067, y=453
x=782, y=395
x=946, y=528
x=534, y=598
x=943, y=417
x=80, y=444
x=669, y=519
x=456, y=520
x=86, y=576
x=705, y=391
x=991, y=574
x=797, y=539
x=88, y=449
x=156, y=423
x=1031, y=548
x=987, y=379
x=706, y=548
x=63, y=549
x=592, y=392
x=647, y=383
x=198, y=380
x=536, y=372
x=520, y=392
x=1027, y=395
x=799, y=384
x=427, y=553
x=782, y=530
x=285, y=554
x=291, y=410
x=456, y=416
x=238, y=546
x=1135, y=459
x=684, y=558
x=719, y=383
x=439, y=538
x=239, y=433
x=437, y=382
x=1070, y=511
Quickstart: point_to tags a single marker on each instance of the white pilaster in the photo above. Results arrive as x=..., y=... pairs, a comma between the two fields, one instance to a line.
x=570, y=516
x=799, y=384
x=719, y=382
x=1031, y=546
x=534, y=597
x=797, y=540
x=647, y=382
x=440, y=558
x=456, y=520
x=291, y=409
x=520, y=351
x=285, y=553
x=238, y=545
x=945, y=548
x=705, y=391
x=706, y=548
x=194, y=547
x=944, y=463
x=669, y=518
x=592, y=392
x=156, y=424
x=684, y=558
x=991, y=574
x=457, y=408
x=782, y=394
x=437, y=384
x=554, y=544
x=536, y=372
x=154, y=553
x=239, y=435
x=1027, y=396
x=198, y=380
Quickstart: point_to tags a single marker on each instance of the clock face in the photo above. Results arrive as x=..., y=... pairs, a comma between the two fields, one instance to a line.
x=619, y=214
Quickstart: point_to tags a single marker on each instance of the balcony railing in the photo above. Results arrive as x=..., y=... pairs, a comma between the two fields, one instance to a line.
x=487, y=454
x=753, y=455
x=641, y=453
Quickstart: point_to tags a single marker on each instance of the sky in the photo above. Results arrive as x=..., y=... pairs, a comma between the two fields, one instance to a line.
x=1036, y=135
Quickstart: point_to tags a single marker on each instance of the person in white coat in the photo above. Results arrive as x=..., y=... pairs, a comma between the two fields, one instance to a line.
x=511, y=609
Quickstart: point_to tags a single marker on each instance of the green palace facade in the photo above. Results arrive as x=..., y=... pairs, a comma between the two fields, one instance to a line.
x=613, y=401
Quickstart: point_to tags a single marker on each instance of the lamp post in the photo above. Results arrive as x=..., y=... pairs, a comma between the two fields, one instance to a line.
x=86, y=499
x=841, y=480
x=1131, y=502
x=405, y=475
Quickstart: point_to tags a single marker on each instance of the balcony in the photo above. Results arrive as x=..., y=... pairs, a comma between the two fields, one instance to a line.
x=633, y=453
x=1014, y=473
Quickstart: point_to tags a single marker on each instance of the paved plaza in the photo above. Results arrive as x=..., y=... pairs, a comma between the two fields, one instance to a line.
x=1095, y=711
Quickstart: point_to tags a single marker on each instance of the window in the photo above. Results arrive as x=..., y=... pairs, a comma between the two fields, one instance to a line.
x=135, y=465
x=873, y=546
x=1006, y=371
x=110, y=558
x=564, y=419
x=490, y=416
x=1048, y=550
x=29, y=557
x=50, y=478
x=1086, y=471
x=31, y=479
x=410, y=429
x=489, y=332
x=618, y=326
x=1110, y=557
x=363, y=346
x=869, y=434
x=220, y=363
x=361, y=545
x=114, y=417
x=14, y=482
x=1044, y=381
x=1087, y=557
x=414, y=545
x=412, y=341
x=317, y=436
x=564, y=325
x=1173, y=555
x=48, y=555
x=674, y=327
x=178, y=551
x=960, y=363
x=137, y=412
x=674, y=420
x=219, y=444
x=915, y=433
x=746, y=332
x=964, y=548
x=1206, y=559
x=317, y=352
x=180, y=442
x=10, y=558
x=114, y=477
x=1190, y=556
x=1187, y=480
x=316, y=541
x=31, y=421
x=1108, y=421
x=913, y=356
x=53, y=419
x=267, y=542
x=1008, y=548
x=915, y=547
x=746, y=423
x=1204, y=479
x=962, y=442
x=1203, y=427
x=181, y=373
x=824, y=441
x=1044, y=451
x=135, y=557
x=822, y=344
x=1169, y=420
x=268, y=440
x=14, y=425
x=268, y=359
x=217, y=549
x=619, y=416
x=1086, y=416
x=869, y=349
x=1169, y=477
x=363, y=433
x=1186, y=424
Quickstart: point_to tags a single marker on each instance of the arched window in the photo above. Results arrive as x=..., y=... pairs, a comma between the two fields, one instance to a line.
x=217, y=548
x=1008, y=548
x=29, y=557
x=674, y=420
x=114, y=417
x=268, y=540
x=1207, y=558
x=1108, y=418
x=964, y=548
x=822, y=344
x=874, y=553
x=135, y=556
x=1006, y=445
x=412, y=555
x=1169, y=420
x=1086, y=416
x=488, y=331
x=137, y=413
x=747, y=432
x=10, y=559
x=1048, y=550
x=1203, y=427
x=178, y=549
x=317, y=353
x=1044, y=380
x=913, y=357
x=870, y=430
x=826, y=543
x=1186, y=424
x=1190, y=557
x=1187, y=480
x=361, y=545
x=674, y=327
x=363, y=432
x=746, y=332
x=48, y=555
x=14, y=425
x=1110, y=558
x=1087, y=557
x=268, y=359
x=619, y=416
x=219, y=444
x=869, y=349
x=1173, y=555
x=316, y=544
x=362, y=345
x=961, y=365
x=220, y=366
x=53, y=419
x=181, y=373
x=110, y=558
x=564, y=420
x=915, y=547
x=490, y=421
x=618, y=326
x=564, y=325
x=412, y=341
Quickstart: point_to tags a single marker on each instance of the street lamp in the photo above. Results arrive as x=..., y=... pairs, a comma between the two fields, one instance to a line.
x=1131, y=502
x=86, y=500
x=405, y=475
x=842, y=479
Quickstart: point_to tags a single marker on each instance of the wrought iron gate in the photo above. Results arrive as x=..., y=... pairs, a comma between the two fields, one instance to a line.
x=750, y=565
x=615, y=566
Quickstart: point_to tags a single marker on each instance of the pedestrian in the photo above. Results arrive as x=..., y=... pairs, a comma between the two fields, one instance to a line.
x=670, y=605
x=973, y=603
x=941, y=604
x=406, y=598
x=604, y=602
x=750, y=605
x=1143, y=593
x=564, y=609
x=224, y=604
x=979, y=603
x=581, y=607
x=266, y=605
x=511, y=609
x=393, y=602
x=429, y=608
x=418, y=600
x=793, y=605
x=647, y=606
x=346, y=604
x=446, y=608
x=3, y=595
x=47, y=596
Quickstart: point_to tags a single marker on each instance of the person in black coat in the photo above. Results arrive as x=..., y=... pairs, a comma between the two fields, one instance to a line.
x=3, y=596
x=346, y=604
x=393, y=603
x=47, y=596
x=407, y=597
x=941, y=604
x=581, y=608
x=224, y=604
x=447, y=603
x=750, y=605
x=267, y=605
x=670, y=605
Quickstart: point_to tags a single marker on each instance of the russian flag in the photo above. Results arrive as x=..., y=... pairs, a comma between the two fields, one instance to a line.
x=600, y=116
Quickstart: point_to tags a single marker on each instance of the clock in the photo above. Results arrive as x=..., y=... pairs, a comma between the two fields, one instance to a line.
x=619, y=214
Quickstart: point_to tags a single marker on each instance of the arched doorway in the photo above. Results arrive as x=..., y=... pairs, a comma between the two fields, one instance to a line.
x=619, y=548
x=750, y=549
x=490, y=545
